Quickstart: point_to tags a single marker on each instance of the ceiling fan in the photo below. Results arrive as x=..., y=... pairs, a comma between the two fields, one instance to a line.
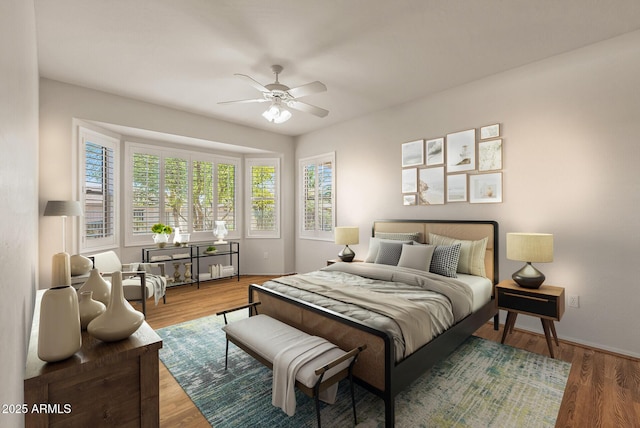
x=281, y=96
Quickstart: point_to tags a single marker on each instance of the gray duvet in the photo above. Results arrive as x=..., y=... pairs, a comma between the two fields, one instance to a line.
x=412, y=306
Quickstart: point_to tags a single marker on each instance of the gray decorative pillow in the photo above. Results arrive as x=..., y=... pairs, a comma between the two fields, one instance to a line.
x=374, y=245
x=389, y=252
x=416, y=256
x=445, y=260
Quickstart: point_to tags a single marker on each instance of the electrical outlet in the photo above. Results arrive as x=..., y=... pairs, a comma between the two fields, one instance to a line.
x=266, y=255
x=574, y=301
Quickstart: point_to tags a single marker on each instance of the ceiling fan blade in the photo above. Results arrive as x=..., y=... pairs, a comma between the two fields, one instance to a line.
x=308, y=89
x=257, y=100
x=250, y=80
x=308, y=108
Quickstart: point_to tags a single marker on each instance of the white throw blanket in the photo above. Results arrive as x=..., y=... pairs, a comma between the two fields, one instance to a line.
x=159, y=285
x=286, y=364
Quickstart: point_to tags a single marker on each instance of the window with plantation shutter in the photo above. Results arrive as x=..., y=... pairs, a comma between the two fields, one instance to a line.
x=226, y=194
x=317, y=196
x=263, y=206
x=99, y=185
x=180, y=188
x=176, y=193
x=145, y=185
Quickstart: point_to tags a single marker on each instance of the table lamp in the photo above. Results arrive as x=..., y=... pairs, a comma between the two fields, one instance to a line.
x=347, y=236
x=61, y=266
x=529, y=248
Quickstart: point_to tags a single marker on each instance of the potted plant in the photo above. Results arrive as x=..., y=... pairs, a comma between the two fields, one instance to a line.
x=161, y=234
x=211, y=249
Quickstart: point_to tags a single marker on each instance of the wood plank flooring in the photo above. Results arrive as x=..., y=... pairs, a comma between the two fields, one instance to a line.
x=603, y=389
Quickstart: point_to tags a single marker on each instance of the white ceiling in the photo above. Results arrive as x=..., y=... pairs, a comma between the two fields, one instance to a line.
x=371, y=54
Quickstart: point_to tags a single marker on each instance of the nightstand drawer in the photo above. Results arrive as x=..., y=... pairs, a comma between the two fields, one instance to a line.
x=546, y=306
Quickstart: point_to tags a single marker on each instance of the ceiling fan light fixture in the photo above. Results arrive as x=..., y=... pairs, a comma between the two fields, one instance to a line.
x=276, y=113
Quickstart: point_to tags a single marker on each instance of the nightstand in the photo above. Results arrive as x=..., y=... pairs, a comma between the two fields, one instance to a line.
x=546, y=303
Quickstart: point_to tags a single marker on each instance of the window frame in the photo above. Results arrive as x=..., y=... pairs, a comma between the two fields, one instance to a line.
x=316, y=234
x=88, y=135
x=249, y=164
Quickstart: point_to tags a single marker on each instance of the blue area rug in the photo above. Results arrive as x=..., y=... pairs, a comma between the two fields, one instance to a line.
x=482, y=384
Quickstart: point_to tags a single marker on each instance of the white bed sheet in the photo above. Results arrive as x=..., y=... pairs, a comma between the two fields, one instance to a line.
x=481, y=288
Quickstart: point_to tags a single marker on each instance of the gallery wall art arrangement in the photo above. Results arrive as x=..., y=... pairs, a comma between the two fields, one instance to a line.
x=464, y=166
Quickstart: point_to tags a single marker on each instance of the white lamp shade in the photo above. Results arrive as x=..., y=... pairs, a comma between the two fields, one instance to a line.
x=530, y=247
x=63, y=208
x=347, y=235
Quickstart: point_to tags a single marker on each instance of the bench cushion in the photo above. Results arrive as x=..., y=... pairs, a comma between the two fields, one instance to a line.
x=267, y=336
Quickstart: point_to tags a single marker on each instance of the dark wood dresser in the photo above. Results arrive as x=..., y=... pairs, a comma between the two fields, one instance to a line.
x=102, y=385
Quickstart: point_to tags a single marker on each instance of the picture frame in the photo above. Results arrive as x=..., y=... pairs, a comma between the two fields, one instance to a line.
x=490, y=155
x=409, y=200
x=431, y=186
x=410, y=180
x=490, y=131
x=457, y=188
x=485, y=188
x=413, y=153
x=435, y=151
x=461, y=151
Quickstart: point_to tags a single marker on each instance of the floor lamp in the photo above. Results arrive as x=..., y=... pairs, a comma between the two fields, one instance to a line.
x=61, y=266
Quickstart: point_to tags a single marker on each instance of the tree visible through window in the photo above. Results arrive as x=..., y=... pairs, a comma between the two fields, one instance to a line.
x=263, y=216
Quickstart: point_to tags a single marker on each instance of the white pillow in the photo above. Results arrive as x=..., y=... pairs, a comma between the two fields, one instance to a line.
x=374, y=246
x=416, y=256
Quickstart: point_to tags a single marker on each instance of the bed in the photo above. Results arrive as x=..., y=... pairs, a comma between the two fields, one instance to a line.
x=388, y=366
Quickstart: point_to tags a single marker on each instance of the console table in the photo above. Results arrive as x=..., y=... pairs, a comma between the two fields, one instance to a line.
x=102, y=385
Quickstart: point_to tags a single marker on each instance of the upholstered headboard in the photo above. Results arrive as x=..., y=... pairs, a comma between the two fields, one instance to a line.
x=471, y=230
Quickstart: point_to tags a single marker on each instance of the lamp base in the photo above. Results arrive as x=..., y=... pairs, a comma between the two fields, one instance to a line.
x=220, y=241
x=528, y=277
x=347, y=254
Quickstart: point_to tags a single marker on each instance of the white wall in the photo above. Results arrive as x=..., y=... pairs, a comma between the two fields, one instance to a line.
x=19, y=196
x=60, y=103
x=571, y=155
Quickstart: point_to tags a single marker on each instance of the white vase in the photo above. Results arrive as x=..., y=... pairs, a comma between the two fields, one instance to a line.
x=161, y=239
x=59, y=330
x=89, y=308
x=60, y=269
x=120, y=320
x=80, y=265
x=100, y=287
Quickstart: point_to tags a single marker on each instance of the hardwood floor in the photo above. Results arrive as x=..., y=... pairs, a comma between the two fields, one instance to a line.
x=603, y=389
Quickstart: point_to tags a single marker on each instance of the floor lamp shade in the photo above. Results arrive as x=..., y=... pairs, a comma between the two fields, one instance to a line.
x=530, y=248
x=347, y=235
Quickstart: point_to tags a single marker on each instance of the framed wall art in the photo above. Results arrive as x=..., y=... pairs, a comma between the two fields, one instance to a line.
x=408, y=199
x=461, y=151
x=431, y=186
x=413, y=153
x=457, y=188
x=490, y=131
x=490, y=155
x=485, y=188
x=410, y=180
x=435, y=151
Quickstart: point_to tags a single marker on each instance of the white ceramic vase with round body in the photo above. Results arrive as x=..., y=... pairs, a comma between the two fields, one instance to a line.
x=160, y=239
x=80, y=265
x=59, y=329
x=100, y=287
x=120, y=320
x=89, y=308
